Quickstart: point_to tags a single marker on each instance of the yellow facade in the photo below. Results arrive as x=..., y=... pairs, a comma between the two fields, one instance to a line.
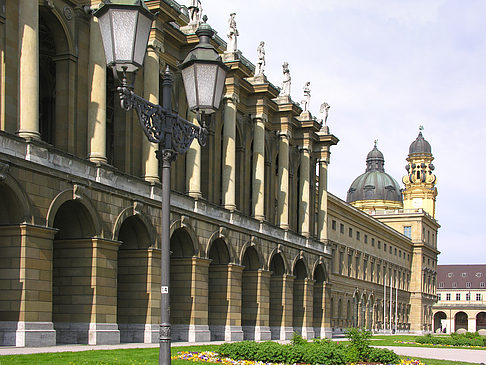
x=257, y=250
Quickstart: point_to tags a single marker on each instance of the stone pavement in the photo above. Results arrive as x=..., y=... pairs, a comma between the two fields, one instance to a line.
x=472, y=356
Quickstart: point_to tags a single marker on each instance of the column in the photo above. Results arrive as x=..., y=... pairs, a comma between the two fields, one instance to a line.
x=283, y=181
x=233, y=330
x=199, y=325
x=307, y=325
x=262, y=328
x=151, y=93
x=193, y=166
x=103, y=327
x=151, y=332
x=288, y=307
x=258, y=183
x=304, y=204
x=322, y=204
x=229, y=153
x=97, y=95
x=29, y=69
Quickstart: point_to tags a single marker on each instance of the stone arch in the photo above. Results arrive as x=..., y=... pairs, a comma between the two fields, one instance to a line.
x=220, y=235
x=250, y=301
x=481, y=322
x=18, y=208
x=131, y=212
x=319, y=271
x=79, y=197
x=63, y=38
x=300, y=258
x=460, y=321
x=251, y=245
x=277, y=252
x=183, y=224
x=439, y=320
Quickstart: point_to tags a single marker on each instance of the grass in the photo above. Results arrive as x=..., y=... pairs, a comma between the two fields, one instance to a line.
x=380, y=340
x=146, y=356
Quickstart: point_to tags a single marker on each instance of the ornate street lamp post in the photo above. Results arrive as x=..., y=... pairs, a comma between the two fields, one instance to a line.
x=125, y=27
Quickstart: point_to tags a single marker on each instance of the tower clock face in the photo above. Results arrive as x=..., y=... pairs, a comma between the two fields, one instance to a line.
x=417, y=203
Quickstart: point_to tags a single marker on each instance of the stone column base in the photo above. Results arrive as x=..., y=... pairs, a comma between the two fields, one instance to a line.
x=151, y=333
x=103, y=334
x=226, y=333
x=281, y=333
x=190, y=333
x=323, y=332
x=133, y=332
x=257, y=333
x=27, y=334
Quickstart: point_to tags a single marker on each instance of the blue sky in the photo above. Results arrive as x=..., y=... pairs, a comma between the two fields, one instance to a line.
x=386, y=67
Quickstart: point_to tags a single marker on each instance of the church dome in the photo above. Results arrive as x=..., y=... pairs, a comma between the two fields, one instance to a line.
x=420, y=145
x=375, y=183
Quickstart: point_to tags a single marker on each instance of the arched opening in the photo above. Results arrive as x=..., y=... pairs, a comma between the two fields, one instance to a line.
x=218, y=308
x=10, y=209
x=440, y=322
x=249, y=293
x=181, y=283
x=72, y=292
x=55, y=81
x=132, y=277
x=318, y=300
x=299, y=304
x=481, y=322
x=277, y=268
x=460, y=322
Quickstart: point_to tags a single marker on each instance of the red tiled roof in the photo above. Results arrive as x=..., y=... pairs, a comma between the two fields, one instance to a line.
x=460, y=275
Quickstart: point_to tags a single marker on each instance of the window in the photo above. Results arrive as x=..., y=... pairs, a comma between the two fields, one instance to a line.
x=350, y=232
x=373, y=242
x=441, y=285
x=448, y=296
x=395, y=251
x=479, y=274
x=333, y=225
x=407, y=231
x=481, y=284
x=464, y=274
x=454, y=284
x=365, y=238
x=468, y=296
x=379, y=244
x=341, y=228
x=450, y=275
x=478, y=296
x=458, y=296
x=428, y=236
x=399, y=253
x=357, y=235
x=384, y=247
x=439, y=296
x=390, y=250
x=341, y=261
x=468, y=284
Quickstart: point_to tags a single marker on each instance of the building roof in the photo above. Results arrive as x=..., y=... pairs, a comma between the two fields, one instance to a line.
x=458, y=276
x=420, y=145
x=375, y=183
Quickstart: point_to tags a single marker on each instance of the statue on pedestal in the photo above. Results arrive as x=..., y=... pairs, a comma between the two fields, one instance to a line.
x=324, y=112
x=195, y=11
x=261, y=59
x=232, y=34
x=285, y=91
x=306, y=99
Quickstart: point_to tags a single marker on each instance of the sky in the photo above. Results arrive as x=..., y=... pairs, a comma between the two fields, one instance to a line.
x=386, y=67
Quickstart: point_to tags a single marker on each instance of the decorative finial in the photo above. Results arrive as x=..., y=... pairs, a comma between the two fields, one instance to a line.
x=421, y=128
x=205, y=18
x=376, y=143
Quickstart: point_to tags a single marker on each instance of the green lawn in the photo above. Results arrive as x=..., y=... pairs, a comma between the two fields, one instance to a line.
x=148, y=356
x=380, y=340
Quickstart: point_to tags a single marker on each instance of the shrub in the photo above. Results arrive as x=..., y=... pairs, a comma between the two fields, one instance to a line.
x=297, y=339
x=360, y=342
x=383, y=356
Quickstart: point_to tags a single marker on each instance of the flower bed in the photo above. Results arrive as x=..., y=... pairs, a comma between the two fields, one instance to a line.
x=213, y=357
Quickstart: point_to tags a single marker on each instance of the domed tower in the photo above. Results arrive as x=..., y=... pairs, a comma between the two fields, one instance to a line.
x=420, y=190
x=375, y=189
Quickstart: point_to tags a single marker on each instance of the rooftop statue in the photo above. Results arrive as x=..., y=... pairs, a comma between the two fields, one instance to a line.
x=195, y=11
x=232, y=34
x=306, y=100
x=285, y=91
x=324, y=112
x=261, y=59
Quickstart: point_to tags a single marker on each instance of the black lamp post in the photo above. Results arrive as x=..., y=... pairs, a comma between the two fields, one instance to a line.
x=125, y=27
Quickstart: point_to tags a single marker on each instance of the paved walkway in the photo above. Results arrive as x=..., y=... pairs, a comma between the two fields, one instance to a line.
x=473, y=356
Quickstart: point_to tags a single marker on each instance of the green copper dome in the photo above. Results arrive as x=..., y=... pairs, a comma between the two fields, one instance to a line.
x=375, y=183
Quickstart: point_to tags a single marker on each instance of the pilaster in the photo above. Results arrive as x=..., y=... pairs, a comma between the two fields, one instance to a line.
x=258, y=183
x=229, y=153
x=193, y=166
x=283, y=183
x=304, y=202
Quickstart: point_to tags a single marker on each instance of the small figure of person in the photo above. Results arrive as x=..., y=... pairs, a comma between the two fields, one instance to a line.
x=232, y=34
x=324, y=111
x=285, y=91
x=261, y=59
x=306, y=100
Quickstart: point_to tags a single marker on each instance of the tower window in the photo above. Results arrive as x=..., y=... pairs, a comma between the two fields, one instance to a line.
x=341, y=228
x=333, y=225
x=407, y=231
x=350, y=232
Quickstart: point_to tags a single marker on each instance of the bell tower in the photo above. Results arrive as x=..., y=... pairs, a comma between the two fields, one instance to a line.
x=420, y=190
